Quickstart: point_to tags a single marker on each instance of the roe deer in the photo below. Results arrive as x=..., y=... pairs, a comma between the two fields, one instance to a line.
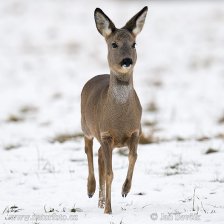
x=110, y=108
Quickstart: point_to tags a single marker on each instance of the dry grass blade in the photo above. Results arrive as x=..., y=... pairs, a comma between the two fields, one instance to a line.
x=218, y=180
x=211, y=150
x=203, y=138
x=221, y=120
x=152, y=107
x=28, y=109
x=14, y=118
x=12, y=146
x=150, y=123
x=61, y=138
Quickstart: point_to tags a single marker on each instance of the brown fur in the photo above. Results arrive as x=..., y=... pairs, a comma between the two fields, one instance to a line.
x=110, y=108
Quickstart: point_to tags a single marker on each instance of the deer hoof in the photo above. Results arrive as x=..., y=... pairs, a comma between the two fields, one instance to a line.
x=107, y=211
x=91, y=187
x=126, y=188
x=90, y=195
x=124, y=195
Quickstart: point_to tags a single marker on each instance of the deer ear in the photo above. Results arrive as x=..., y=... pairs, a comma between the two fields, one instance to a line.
x=103, y=24
x=135, y=24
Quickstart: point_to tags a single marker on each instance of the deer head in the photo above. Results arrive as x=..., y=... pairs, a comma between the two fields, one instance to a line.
x=121, y=42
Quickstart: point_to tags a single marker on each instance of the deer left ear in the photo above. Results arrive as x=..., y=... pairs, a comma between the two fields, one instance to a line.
x=103, y=23
x=136, y=23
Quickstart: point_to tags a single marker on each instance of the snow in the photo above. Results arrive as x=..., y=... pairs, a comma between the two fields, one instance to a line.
x=49, y=49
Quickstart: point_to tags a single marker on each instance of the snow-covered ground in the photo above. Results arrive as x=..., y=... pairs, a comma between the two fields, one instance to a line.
x=48, y=50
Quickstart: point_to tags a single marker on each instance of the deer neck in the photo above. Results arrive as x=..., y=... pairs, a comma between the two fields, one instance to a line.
x=121, y=87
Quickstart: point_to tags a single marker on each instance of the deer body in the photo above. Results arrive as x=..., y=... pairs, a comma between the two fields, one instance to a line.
x=103, y=111
x=110, y=108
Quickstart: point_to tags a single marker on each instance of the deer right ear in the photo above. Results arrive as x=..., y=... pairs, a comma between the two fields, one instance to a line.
x=135, y=24
x=103, y=24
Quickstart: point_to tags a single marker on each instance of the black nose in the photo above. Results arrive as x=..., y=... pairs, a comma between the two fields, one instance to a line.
x=126, y=62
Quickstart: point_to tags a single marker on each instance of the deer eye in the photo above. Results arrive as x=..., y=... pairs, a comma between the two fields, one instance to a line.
x=133, y=45
x=114, y=45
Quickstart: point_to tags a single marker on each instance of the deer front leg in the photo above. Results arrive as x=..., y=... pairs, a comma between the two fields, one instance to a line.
x=132, y=157
x=91, y=185
x=107, y=142
x=101, y=167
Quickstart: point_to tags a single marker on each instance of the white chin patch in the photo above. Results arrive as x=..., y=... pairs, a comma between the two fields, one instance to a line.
x=126, y=67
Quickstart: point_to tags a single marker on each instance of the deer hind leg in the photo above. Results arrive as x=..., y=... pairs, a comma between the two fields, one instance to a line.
x=106, y=143
x=132, y=157
x=101, y=167
x=91, y=185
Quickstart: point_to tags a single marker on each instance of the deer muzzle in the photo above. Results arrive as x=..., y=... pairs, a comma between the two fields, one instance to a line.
x=126, y=63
